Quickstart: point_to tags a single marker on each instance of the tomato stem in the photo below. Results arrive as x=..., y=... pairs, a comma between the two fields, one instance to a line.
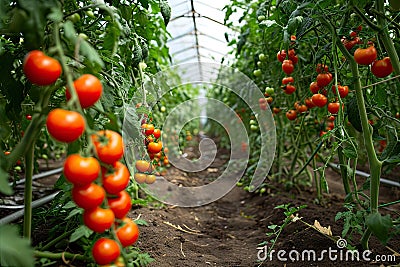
x=61, y=255
x=29, y=157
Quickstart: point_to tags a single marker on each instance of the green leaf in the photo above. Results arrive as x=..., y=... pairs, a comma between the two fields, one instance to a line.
x=5, y=188
x=379, y=225
x=141, y=222
x=350, y=152
x=14, y=250
x=81, y=231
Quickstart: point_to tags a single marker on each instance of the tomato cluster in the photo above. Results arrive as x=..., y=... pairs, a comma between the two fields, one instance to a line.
x=145, y=169
x=99, y=181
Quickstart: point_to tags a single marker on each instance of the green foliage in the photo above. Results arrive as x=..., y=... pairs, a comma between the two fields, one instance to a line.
x=14, y=250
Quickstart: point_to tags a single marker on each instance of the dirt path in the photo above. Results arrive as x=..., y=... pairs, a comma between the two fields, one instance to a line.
x=227, y=232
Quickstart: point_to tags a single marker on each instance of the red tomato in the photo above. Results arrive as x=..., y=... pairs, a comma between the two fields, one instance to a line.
x=120, y=205
x=321, y=68
x=88, y=196
x=105, y=251
x=148, y=129
x=118, y=180
x=98, y=219
x=365, y=56
x=301, y=108
x=291, y=114
x=157, y=133
x=333, y=107
x=287, y=66
x=319, y=100
x=64, y=125
x=154, y=147
x=382, y=68
x=88, y=89
x=142, y=165
x=289, y=89
x=109, y=146
x=292, y=56
x=323, y=79
x=281, y=56
x=150, y=178
x=309, y=103
x=287, y=80
x=343, y=90
x=128, y=233
x=314, y=88
x=41, y=69
x=80, y=170
x=28, y=117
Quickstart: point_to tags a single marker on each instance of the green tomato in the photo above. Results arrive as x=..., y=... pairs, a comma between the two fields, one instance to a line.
x=262, y=57
x=74, y=18
x=259, y=63
x=253, y=122
x=253, y=127
x=269, y=90
x=261, y=18
x=263, y=190
x=44, y=156
x=257, y=72
x=90, y=14
x=163, y=109
x=83, y=36
x=18, y=168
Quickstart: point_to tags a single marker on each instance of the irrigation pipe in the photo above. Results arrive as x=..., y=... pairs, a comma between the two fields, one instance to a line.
x=35, y=204
x=40, y=175
x=366, y=175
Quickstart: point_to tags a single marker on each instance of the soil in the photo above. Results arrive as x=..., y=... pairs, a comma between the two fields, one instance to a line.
x=229, y=231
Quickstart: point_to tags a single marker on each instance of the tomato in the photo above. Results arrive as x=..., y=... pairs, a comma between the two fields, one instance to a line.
x=88, y=196
x=291, y=114
x=333, y=107
x=142, y=165
x=157, y=133
x=269, y=100
x=281, y=56
x=120, y=205
x=287, y=80
x=319, y=100
x=148, y=128
x=150, y=178
x=257, y=72
x=154, y=147
x=88, y=89
x=301, y=108
x=128, y=233
x=28, y=117
x=309, y=103
x=116, y=181
x=292, y=56
x=140, y=177
x=80, y=170
x=314, y=88
x=321, y=68
x=382, y=68
x=343, y=90
x=287, y=66
x=276, y=110
x=323, y=79
x=98, y=219
x=365, y=56
x=105, y=251
x=41, y=69
x=64, y=125
x=108, y=145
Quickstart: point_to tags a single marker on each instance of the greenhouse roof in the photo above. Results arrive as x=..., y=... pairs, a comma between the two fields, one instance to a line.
x=198, y=32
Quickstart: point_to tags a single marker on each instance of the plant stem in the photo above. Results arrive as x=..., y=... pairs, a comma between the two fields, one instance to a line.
x=29, y=156
x=61, y=255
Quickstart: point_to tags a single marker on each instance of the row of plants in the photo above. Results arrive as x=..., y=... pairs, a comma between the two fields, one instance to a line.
x=69, y=72
x=330, y=75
